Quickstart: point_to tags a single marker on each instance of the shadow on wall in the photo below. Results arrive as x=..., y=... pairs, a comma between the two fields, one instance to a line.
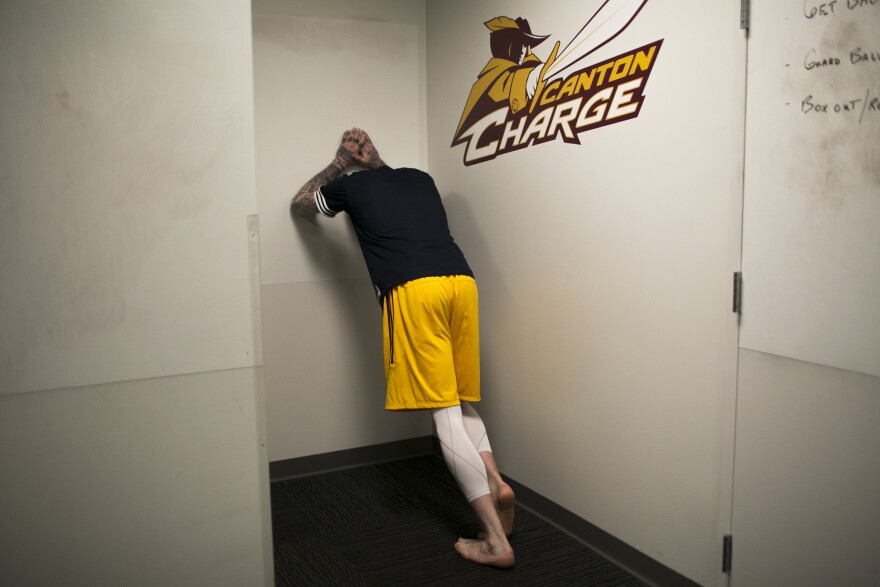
x=330, y=245
x=496, y=300
x=352, y=298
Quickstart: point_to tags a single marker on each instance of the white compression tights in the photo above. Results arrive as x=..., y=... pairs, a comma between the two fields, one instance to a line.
x=462, y=439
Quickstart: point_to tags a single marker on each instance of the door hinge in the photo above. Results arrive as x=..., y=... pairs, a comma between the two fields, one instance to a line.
x=737, y=291
x=744, y=14
x=727, y=554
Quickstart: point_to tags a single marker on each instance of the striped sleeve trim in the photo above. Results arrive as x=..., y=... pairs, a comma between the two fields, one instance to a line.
x=323, y=208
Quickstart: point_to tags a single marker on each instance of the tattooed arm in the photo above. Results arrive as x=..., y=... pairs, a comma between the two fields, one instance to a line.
x=303, y=203
x=356, y=148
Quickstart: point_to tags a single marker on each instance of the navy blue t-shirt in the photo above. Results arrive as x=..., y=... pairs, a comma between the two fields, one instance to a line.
x=400, y=224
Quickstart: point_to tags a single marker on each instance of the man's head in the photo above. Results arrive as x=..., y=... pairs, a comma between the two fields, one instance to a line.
x=510, y=37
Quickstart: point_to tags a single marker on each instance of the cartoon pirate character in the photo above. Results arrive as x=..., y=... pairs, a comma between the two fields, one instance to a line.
x=512, y=75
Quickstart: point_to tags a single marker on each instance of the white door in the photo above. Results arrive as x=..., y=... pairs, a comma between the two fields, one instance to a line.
x=807, y=466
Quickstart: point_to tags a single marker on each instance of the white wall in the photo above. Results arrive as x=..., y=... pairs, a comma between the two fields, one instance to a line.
x=128, y=177
x=319, y=69
x=131, y=410
x=589, y=319
x=131, y=437
x=151, y=482
x=608, y=341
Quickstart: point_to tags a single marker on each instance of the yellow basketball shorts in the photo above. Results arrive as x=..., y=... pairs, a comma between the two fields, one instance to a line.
x=431, y=337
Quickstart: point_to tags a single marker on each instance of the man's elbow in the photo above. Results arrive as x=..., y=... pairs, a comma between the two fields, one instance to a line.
x=297, y=209
x=303, y=204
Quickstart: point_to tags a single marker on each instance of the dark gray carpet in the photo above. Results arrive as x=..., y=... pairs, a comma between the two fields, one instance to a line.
x=395, y=524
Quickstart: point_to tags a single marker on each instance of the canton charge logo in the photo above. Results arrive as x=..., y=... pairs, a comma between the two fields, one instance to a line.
x=518, y=100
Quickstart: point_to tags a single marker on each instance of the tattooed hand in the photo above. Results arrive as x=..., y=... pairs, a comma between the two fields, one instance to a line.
x=348, y=148
x=365, y=152
x=356, y=148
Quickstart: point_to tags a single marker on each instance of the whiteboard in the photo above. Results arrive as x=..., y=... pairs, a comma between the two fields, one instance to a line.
x=313, y=79
x=811, y=222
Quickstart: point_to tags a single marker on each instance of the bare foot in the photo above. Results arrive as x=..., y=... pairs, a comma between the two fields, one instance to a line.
x=505, y=500
x=502, y=495
x=484, y=552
